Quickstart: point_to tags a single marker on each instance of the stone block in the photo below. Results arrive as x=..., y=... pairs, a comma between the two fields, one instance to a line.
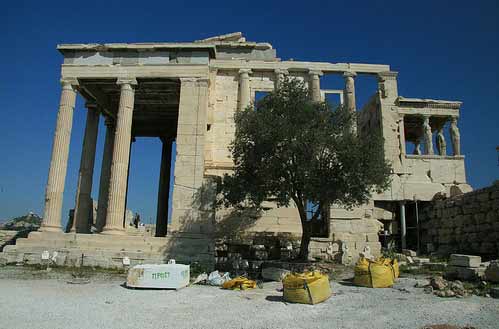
x=435, y=266
x=465, y=260
x=409, y=252
x=421, y=260
x=464, y=273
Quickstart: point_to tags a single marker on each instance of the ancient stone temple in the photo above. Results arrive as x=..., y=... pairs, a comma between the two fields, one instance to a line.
x=187, y=93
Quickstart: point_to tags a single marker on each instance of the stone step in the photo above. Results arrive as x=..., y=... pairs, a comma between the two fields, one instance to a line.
x=465, y=260
x=184, y=248
x=69, y=239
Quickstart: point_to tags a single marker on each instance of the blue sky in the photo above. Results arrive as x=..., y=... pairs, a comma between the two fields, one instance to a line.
x=442, y=49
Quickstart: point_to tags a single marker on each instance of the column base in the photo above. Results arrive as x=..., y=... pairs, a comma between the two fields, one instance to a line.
x=47, y=228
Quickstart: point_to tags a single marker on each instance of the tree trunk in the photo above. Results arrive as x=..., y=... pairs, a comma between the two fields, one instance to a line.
x=305, y=239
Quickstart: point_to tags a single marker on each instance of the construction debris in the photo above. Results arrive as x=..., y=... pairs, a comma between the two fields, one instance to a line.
x=447, y=288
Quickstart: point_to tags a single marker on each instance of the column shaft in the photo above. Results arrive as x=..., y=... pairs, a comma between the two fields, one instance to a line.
x=119, y=166
x=59, y=159
x=244, y=89
x=164, y=188
x=403, y=229
x=84, y=205
x=349, y=91
x=105, y=175
x=314, y=85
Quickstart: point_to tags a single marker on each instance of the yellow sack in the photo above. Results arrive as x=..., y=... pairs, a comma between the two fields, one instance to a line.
x=240, y=283
x=306, y=288
x=380, y=273
x=392, y=263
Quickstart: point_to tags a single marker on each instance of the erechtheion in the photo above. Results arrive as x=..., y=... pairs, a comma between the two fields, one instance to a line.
x=187, y=93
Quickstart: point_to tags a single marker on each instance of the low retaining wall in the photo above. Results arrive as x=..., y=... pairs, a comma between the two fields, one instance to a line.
x=466, y=223
x=7, y=237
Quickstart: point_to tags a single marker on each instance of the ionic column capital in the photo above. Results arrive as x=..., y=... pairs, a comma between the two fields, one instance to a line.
x=315, y=73
x=69, y=83
x=245, y=72
x=349, y=74
x=126, y=82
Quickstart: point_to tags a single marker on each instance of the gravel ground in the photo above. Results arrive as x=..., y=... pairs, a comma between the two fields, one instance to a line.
x=34, y=299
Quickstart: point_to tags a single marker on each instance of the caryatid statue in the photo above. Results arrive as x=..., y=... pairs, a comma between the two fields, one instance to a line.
x=428, y=137
x=455, y=136
x=417, y=148
x=441, y=144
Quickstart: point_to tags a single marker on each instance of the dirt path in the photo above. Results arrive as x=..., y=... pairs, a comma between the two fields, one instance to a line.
x=36, y=299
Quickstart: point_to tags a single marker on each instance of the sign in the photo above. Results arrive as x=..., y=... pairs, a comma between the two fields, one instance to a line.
x=45, y=255
x=126, y=261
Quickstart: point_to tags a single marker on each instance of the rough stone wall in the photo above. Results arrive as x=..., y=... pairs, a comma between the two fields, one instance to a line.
x=7, y=237
x=368, y=117
x=466, y=223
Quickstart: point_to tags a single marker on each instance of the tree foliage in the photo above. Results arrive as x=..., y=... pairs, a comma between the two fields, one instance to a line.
x=290, y=149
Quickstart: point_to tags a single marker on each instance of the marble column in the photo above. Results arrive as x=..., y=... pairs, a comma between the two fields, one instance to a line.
x=403, y=227
x=244, y=88
x=105, y=174
x=402, y=139
x=314, y=85
x=84, y=206
x=280, y=74
x=427, y=135
x=121, y=157
x=349, y=91
x=455, y=137
x=59, y=159
x=164, y=187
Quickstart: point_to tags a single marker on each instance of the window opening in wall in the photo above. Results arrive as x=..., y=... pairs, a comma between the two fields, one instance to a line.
x=260, y=94
x=333, y=98
x=320, y=227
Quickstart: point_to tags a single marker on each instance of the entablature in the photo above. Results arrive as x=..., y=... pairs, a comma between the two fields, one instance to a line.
x=295, y=66
x=427, y=107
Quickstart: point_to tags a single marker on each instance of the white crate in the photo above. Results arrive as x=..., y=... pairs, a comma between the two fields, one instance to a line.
x=165, y=276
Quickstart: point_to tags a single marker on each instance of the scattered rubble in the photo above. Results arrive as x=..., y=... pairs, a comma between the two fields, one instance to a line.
x=447, y=288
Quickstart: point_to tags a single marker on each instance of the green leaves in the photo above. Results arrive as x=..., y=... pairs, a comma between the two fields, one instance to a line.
x=291, y=148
